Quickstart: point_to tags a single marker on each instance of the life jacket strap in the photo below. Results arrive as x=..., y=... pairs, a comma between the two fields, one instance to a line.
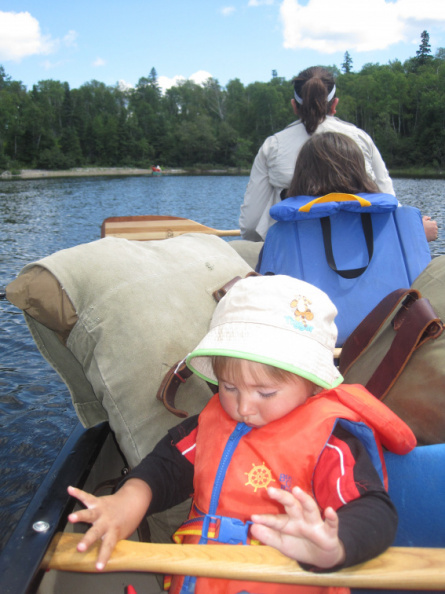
x=221, y=529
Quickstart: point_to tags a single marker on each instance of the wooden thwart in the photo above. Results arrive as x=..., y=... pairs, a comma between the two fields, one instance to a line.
x=147, y=227
x=397, y=568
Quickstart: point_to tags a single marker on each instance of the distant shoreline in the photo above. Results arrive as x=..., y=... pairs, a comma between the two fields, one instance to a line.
x=110, y=171
x=134, y=171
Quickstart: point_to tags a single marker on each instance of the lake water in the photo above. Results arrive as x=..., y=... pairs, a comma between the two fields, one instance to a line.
x=39, y=217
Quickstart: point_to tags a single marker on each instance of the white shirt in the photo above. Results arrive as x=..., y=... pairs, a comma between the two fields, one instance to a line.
x=274, y=165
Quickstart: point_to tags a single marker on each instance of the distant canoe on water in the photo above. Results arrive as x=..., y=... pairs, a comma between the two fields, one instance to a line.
x=156, y=170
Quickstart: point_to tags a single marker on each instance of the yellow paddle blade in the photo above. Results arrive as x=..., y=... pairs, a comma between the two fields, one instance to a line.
x=147, y=227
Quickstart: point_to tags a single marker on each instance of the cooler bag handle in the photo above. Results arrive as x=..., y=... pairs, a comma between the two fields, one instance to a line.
x=334, y=197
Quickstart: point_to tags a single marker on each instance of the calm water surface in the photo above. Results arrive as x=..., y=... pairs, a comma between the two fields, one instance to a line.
x=39, y=217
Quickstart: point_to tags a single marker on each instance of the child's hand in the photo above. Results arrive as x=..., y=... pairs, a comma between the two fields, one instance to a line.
x=113, y=517
x=300, y=533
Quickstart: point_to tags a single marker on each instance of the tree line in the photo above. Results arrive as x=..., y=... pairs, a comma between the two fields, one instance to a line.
x=401, y=105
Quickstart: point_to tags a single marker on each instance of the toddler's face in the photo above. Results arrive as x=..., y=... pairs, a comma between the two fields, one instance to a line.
x=258, y=399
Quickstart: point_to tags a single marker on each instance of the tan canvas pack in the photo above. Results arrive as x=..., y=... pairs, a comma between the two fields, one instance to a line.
x=398, y=353
x=114, y=315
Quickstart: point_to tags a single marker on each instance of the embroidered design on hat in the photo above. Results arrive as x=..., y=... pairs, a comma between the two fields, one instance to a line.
x=302, y=313
x=259, y=477
x=298, y=325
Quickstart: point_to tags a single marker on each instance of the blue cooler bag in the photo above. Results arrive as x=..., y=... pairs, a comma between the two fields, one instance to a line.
x=356, y=248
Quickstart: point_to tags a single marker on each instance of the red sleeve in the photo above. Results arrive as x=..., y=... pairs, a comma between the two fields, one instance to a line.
x=344, y=472
x=187, y=445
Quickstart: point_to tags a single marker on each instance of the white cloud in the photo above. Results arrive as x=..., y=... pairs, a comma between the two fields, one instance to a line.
x=227, y=10
x=198, y=78
x=428, y=11
x=20, y=37
x=328, y=27
x=70, y=39
x=260, y=2
x=123, y=85
x=166, y=83
x=48, y=65
x=98, y=62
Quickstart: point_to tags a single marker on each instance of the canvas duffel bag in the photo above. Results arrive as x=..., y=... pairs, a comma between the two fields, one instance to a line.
x=398, y=353
x=112, y=316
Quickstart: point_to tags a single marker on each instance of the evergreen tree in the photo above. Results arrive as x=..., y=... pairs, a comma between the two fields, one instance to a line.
x=51, y=126
x=424, y=52
x=5, y=79
x=347, y=63
x=153, y=77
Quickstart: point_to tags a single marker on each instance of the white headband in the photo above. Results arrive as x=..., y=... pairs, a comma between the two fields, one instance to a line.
x=299, y=100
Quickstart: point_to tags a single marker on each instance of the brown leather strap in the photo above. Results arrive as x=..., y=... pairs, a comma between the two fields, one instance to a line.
x=174, y=377
x=179, y=373
x=364, y=333
x=420, y=324
x=219, y=293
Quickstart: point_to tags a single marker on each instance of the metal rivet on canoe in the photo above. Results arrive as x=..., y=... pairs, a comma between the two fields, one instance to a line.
x=40, y=526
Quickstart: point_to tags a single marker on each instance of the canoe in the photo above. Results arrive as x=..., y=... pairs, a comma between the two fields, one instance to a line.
x=92, y=459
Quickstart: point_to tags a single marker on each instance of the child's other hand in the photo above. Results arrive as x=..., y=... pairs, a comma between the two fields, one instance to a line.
x=300, y=533
x=113, y=517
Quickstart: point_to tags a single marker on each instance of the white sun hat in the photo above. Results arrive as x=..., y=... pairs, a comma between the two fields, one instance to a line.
x=277, y=320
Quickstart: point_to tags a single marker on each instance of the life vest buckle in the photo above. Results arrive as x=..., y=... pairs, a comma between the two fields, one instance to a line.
x=228, y=530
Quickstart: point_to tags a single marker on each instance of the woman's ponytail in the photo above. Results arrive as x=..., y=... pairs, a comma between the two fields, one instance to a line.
x=311, y=88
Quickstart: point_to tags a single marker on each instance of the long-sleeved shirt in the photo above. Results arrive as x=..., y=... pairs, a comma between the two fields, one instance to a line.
x=367, y=524
x=274, y=165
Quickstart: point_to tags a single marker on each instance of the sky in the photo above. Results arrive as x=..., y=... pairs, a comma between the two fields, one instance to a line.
x=117, y=42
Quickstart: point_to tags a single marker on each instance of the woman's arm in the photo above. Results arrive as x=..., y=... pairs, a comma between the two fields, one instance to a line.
x=259, y=195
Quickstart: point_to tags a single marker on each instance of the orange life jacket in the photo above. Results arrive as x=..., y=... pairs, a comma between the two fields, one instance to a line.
x=234, y=464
